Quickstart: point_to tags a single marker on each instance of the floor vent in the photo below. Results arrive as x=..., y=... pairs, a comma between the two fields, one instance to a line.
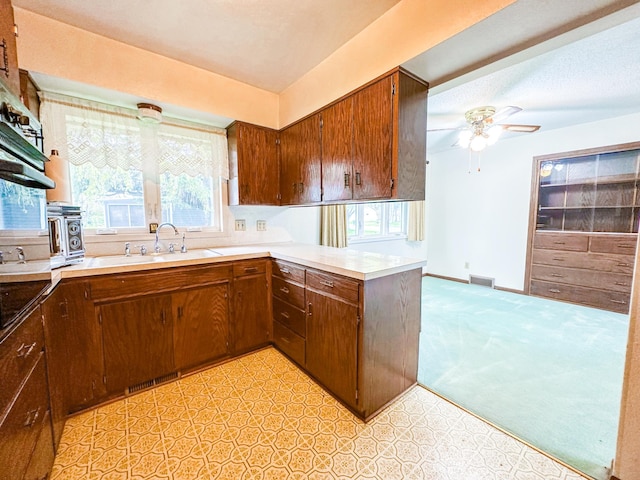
x=150, y=383
x=482, y=281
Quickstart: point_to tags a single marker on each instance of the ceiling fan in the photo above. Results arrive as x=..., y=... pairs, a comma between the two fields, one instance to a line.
x=483, y=128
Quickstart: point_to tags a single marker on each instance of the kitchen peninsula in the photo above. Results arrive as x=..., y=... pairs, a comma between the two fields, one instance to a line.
x=117, y=325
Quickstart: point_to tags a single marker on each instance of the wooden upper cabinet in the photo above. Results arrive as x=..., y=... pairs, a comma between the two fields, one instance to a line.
x=337, y=151
x=300, y=156
x=253, y=165
x=372, y=139
x=9, y=57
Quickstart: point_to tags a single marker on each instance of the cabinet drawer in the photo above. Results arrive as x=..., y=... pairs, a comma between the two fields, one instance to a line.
x=339, y=286
x=624, y=245
x=21, y=427
x=591, y=261
x=157, y=281
x=42, y=458
x=18, y=353
x=252, y=267
x=289, y=292
x=561, y=241
x=607, y=300
x=290, y=343
x=288, y=271
x=618, y=282
x=290, y=316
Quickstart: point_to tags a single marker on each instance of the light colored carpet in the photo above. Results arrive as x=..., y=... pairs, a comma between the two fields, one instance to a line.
x=546, y=371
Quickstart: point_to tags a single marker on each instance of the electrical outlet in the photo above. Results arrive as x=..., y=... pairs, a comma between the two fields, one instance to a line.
x=466, y=265
x=261, y=225
x=241, y=225
x=153, y=227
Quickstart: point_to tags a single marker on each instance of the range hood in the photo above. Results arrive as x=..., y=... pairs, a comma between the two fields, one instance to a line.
x=22, y=162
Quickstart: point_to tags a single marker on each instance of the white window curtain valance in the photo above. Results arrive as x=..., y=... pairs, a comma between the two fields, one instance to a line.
x=85, y=131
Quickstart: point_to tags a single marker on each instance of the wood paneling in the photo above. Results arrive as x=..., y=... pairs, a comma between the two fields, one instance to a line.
x=390, y=333
x=253, y=165
x=337, y=151
x=138, y=341
x=300, y=157
x=372, y=141
x=201, y=325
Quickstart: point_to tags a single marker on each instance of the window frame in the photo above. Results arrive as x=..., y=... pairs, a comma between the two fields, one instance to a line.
x=385, y=235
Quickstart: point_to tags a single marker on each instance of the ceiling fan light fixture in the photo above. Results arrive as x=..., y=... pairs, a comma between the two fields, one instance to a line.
x=478, y=143
x=493, y=134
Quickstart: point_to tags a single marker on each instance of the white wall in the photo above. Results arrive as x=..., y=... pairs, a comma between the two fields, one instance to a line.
x=482, y=217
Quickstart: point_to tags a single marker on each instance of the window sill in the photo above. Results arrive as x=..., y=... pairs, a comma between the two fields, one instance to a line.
x=377, y=238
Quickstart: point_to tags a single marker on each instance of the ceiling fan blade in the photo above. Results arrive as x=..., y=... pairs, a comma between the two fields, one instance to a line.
x=520, y=128
x=504, y=113
x=451, y=129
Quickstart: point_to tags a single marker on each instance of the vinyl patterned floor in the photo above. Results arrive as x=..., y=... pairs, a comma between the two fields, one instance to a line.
x=260, y=417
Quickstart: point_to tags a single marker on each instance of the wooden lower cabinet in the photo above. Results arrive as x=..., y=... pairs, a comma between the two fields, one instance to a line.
x=201, y=325
x=332, y=344
x=251, y=319
x=138, y=341
x=359, y=339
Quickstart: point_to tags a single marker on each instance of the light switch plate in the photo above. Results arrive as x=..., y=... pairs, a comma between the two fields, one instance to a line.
x=261, y=225
x=241, y=225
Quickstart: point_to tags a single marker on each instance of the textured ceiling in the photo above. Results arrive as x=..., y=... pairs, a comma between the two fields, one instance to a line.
x=266, y=43
x=590, y=79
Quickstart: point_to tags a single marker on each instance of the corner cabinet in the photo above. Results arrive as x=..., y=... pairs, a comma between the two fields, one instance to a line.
x=584, y=226
x=253, y=165
x=359, y=339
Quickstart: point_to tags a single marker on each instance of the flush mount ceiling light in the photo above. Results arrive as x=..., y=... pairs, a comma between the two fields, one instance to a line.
x=149, y=113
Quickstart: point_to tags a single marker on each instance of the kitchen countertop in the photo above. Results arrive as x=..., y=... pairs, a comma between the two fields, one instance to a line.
x=341, y=261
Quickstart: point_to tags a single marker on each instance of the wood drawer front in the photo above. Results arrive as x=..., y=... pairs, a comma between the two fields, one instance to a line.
x=339, y=286
x=289, y=342
x=607, y=300
x=250, y=267
x=290, y=316
x=289, y=292
x=18, y=353
x=591, y=261
x=21, y=427
x=289, y=271
x=157, y=281
x=561, y=241
x=42, y=458
x=622, y=245
x=618, y=282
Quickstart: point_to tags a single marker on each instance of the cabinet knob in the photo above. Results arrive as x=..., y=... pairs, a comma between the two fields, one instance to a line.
x=310, y=309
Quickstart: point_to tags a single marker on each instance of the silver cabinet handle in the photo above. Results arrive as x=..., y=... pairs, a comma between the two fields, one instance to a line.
x=554, y=290
x=326, y=283
x=25, y=350
x=284, y=289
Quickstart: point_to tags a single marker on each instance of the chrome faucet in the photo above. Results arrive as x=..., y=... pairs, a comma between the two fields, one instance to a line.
x=156, y=247
x=21, y=257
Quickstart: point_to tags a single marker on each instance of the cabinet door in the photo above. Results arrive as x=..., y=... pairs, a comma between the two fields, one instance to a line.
x=372, y=140
x=251, y=325
x=300, y=162
x=257, y=165
x=12, y=77
x=332, y=344
x=201, y=330
x=337, y=151
x=138, y=341
x=74, y=352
